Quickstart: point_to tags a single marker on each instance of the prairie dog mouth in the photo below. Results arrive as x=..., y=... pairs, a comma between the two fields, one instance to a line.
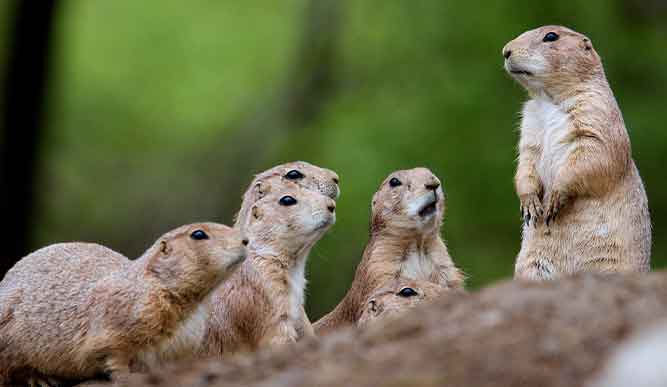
x=429, y=207
x=522, y=72
x=324, y=221
x=516, y=71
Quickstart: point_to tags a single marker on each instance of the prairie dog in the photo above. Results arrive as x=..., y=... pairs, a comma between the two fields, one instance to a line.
x=397, y=298
x=405, y=242
x=301, y=173
x=582, y=199
x=262, y=304
x=74, y=311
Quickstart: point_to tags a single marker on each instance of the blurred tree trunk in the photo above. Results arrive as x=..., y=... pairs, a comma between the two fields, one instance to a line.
x=23, y=98
x=309, y=85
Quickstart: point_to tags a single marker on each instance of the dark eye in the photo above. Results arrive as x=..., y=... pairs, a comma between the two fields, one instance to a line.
x=287, y=201
x=294, y=175
x=550, y=37
x=394, y=182
x=198, y=235
x=407, y=292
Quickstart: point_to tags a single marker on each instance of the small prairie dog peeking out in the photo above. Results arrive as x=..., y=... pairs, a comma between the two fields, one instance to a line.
x=397, y=298
x=262, y=304
x=405, y=243
x=582, y=199
x=73, y=311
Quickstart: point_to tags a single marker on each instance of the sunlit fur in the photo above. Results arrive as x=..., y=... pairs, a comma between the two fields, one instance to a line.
x=262, y=304
x=583, y=201
x=75, y=310
x=388, y=303
x=403, y=244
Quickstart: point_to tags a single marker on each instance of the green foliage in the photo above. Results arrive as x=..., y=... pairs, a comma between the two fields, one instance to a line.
x=146, y=96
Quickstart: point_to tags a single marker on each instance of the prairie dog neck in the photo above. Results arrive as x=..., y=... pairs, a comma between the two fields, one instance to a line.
x=416, y=257
x=284, y=275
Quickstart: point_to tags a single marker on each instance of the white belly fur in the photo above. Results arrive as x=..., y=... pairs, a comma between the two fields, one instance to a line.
x=417, y=266
x=547, y=124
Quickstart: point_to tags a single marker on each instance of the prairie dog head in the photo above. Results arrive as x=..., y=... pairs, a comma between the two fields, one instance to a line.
x=195, y=258
x=301, y=173
x=397, y=298
x=409, y=201
x=551, y=60
x=289, y=221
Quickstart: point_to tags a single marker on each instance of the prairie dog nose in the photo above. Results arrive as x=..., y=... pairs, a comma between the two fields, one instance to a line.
x=507, y=53
x=432, y=185
x=331, y=207
x=245, y=241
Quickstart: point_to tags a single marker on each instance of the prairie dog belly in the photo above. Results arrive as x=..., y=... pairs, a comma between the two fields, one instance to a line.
x=584, y=232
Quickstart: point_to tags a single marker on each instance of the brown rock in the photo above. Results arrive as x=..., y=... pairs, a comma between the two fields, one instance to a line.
x=511, y=334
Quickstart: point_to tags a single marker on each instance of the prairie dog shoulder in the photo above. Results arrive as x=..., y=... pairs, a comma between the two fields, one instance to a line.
x=76, y=322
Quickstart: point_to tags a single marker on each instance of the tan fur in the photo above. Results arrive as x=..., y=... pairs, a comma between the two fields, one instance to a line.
x=314, y=178
x=583, y=201
x=76, y=310
x=402, y=244
x=389, y=302
x=262, y=304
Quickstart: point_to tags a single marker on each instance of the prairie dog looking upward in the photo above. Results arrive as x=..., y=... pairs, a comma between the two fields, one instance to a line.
x=288, y=175
x=73, y=311
x=405, y=243
x=582, y=199
x=262, y=304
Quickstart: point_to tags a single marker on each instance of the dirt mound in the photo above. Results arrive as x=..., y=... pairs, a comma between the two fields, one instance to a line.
x=511, y=334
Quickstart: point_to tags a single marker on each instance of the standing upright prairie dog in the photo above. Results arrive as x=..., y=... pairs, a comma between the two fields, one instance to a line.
x=301, y=173
x=405, y=242
x=397, y=298
x=73, y=311
x=262, y=304
x=582, y=199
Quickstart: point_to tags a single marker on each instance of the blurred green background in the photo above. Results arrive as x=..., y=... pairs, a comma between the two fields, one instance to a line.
x=158, y=113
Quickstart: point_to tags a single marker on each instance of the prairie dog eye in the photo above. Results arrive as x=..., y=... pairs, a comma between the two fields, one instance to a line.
x=407, y=292
x=550, y=37
x=394, y=182
x=287, y=201
x=294, y=175
x=198, y=235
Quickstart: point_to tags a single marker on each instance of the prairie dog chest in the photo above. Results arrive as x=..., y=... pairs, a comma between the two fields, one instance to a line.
x=417, y=266
x=547, y=126
x=184, y=343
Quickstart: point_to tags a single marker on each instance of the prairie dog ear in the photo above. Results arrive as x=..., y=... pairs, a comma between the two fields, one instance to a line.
x=257, y=213
x=260, y=189
x=165, y=248
x=587, y=44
